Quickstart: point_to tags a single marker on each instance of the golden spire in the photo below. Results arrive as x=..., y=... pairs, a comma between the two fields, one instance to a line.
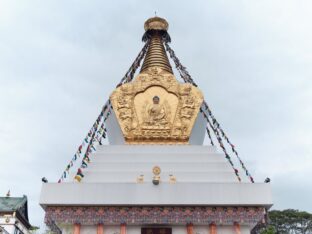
x=156, y=55
x=155, y=108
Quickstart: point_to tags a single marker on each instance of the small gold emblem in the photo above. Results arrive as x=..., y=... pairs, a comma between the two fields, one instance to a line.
x=156, y=177
x=156, y=170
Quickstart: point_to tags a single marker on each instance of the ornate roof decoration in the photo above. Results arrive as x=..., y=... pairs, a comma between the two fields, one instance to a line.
x=156, y=108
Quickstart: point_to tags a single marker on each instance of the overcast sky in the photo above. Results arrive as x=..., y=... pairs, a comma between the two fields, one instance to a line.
x=60, y=60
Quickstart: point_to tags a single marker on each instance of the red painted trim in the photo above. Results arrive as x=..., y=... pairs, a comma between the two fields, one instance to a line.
x=76, y=228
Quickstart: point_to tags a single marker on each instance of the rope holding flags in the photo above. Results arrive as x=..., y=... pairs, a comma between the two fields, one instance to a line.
x=86, y=141
x=215, y=126
x=130, y=73
x=96, y=133
x=207, y=130
x=91, y=148
x=227, y=156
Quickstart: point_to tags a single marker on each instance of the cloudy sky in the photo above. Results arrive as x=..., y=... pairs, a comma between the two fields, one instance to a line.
x=60, y=60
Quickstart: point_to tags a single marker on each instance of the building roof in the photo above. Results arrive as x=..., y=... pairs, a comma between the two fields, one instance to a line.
x=18, y=205
x=12, y=203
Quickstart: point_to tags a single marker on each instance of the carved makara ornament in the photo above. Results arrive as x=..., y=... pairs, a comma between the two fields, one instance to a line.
x=156, y=109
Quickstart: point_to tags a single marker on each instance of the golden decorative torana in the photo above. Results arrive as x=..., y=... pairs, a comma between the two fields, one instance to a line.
x=155, y=108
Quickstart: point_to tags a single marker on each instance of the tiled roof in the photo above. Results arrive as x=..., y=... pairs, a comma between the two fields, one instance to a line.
x=18, y=205
x=11, y=203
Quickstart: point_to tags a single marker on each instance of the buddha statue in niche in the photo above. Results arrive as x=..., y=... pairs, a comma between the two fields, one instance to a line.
x=156, y=114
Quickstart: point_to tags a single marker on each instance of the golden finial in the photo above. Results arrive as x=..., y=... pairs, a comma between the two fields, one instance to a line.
x=156, y=23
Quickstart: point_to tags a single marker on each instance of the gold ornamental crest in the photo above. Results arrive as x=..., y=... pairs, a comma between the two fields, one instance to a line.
x=156, y=109
x=156, y=170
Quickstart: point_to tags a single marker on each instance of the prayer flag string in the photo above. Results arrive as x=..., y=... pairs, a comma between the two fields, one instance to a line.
x=86, y=141
x=96, y=133
x=227, y=156
x=130, y=73
x=215, y=124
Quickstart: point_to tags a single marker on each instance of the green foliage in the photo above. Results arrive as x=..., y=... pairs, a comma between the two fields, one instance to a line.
x=291, y=221
x=286, y=222
x=268, y=230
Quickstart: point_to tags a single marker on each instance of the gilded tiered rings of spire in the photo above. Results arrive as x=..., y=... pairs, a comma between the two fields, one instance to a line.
x=156, y=54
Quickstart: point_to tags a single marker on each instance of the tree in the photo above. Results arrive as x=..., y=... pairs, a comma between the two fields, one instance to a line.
x=286, y=222
x=268, y=230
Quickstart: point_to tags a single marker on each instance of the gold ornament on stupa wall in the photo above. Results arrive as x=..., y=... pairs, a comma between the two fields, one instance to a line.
x=155, y=108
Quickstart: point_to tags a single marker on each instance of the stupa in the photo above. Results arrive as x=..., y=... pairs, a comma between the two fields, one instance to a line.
x=155, y=175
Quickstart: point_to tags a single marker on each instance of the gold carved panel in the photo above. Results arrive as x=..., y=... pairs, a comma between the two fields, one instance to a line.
x=156, y=109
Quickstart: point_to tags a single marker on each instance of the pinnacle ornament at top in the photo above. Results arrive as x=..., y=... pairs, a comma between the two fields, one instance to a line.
x=156, y=23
